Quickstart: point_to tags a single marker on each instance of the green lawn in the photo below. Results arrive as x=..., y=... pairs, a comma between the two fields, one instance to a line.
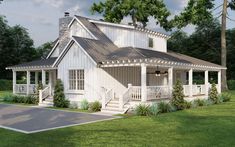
x=2, y=93
x=205, y=126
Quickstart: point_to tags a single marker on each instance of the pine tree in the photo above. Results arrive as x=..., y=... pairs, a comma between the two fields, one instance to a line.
x=59, y=97
x=178, y=96
x=213, y=95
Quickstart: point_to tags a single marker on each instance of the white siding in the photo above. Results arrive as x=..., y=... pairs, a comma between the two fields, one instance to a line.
x=123, y=37
x=55, y=53
x=77, y=29
x=76, y=58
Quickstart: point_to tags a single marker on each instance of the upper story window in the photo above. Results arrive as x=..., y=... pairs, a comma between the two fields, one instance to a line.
x=151, y=42
x=76, y=79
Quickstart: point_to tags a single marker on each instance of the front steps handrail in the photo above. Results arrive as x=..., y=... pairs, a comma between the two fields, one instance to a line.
x=44, y=93
x=109, y=95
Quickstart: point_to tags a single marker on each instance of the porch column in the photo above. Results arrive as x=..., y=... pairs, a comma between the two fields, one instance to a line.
x=170, y=80
x=143, y=83
x=191, y=82
x=43, y=77
x=36, y=78
x=207, y=82
x=14, y=82
x=28, y=82
x=219, y=81
x=50, y=81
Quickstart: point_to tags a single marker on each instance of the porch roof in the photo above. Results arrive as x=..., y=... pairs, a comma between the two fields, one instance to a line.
x=37, y=64
x=106, y=54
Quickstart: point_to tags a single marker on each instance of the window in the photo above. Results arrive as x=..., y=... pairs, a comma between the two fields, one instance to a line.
x=151, y=42
x=76, y=79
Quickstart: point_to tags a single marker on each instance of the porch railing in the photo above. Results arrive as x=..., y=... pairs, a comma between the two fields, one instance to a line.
x=109, y=95
x=22, y=89
x=158, y=92
x=44, y=93
x=197, y=90
x=135, y=93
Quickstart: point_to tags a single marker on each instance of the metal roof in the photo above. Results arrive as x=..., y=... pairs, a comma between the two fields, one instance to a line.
x=43, y=63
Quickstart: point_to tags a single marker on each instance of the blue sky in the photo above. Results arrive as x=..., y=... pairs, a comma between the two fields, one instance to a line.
x=40, y=17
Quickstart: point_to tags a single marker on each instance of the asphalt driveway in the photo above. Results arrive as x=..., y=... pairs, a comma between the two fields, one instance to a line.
x=31, y=120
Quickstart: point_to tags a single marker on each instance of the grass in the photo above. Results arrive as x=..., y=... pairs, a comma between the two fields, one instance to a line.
x=203, y=126
x=2, y=93
x=70, y=109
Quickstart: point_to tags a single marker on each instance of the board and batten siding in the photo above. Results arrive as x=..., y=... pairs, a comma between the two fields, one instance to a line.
x=76, y=59
x=78, y=30
x=123, y=37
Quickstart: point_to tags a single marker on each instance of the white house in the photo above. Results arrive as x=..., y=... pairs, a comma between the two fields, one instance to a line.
x=118, y=65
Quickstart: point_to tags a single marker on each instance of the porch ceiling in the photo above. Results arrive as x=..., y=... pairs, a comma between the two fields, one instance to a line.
x=34, y=65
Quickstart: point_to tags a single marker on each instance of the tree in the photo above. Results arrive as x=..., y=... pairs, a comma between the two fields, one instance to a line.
x=16, y=47
x=44, y=49
x=139, y=10
x=178, y=96
x=224, y=17
x=59, y=97
x=213, y=94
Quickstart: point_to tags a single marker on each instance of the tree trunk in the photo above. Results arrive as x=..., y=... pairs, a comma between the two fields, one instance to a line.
x=223, y=47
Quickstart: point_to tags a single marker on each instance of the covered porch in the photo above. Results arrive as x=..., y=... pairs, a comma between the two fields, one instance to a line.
x=32, y=74
x=154, y=80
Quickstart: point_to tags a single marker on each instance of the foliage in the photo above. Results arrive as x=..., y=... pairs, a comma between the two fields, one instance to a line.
x=187, y=105
x=225, y=97
x=142, y=110
x=73, y=105
x=231, y=84
x=196, y=13
x=139, y=10
x=44, y=49
x=199, y=102
x=19, y=99
x=16, y=47
x=5, y=85
x=164, y=107
x=154, y=109
x=178, y=96
x=84, y=105
x=95, y=106
x=213, y=94
x=59, y=97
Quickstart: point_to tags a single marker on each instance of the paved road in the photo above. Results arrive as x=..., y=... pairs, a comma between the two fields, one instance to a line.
x=31, y=120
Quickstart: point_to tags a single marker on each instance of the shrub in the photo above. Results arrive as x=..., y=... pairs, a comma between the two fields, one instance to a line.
x=59, y=97
x=8, y=98
x=213, y=94
x=231, y=84
x=73, y=105
x=95, y=106
x=142, y=110
x=30, y=99
x=154, y=109
x=209, y=102
x=199, y=102
x=187, y=105
x=84, y=105
x=225, y=97
x=5, y=85
x=164, y=107
x=178, y=96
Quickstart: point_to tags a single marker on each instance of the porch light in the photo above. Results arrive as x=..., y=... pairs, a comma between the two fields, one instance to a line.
x=157, y=73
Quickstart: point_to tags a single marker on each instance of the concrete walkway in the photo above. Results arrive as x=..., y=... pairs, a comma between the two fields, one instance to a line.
x=31, y=120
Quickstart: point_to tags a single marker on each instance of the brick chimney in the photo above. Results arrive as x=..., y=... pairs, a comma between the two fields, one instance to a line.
x=64, y=30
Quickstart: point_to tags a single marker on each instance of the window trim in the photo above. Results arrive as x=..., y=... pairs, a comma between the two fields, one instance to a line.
x=76, y=90
x=150, y=38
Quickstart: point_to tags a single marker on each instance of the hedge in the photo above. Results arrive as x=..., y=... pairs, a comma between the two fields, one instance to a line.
x=231, y=84
x=5, y=85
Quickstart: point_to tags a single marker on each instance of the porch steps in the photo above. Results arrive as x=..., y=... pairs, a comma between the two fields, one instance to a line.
x=113, y=107
x=48, y=102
